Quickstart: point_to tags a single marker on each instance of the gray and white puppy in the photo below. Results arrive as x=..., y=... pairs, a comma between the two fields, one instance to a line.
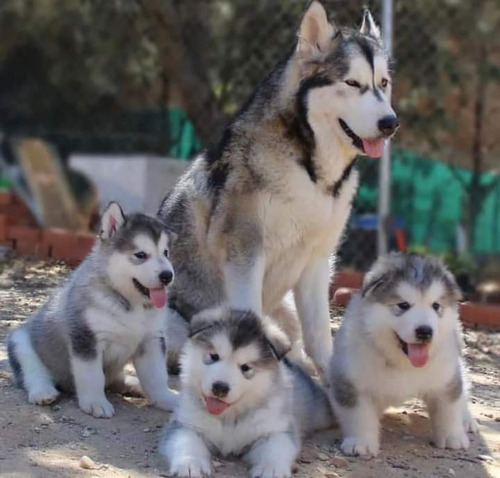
x=240, y=398
x=400, y=339
x=108, y=312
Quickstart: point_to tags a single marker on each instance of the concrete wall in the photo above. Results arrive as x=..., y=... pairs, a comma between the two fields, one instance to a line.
x=137, y=182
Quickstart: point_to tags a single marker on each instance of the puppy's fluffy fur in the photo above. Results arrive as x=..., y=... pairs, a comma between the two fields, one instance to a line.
x=108, y=312
x=401, y=338
x=238, y=397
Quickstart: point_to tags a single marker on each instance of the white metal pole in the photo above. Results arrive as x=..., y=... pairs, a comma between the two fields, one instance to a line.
x=384, y=198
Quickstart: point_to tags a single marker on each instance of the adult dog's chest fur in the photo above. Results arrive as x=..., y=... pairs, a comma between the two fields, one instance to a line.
x=301, y=222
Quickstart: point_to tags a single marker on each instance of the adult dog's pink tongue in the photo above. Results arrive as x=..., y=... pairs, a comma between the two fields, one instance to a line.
x=215, y=406
x=158, y=297
x=418, y=354
x=373, y=147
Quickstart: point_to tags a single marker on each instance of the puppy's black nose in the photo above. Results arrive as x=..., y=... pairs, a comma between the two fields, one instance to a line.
x=220, y=389
x=166, y=277
x=423, y=333
x=388, y=125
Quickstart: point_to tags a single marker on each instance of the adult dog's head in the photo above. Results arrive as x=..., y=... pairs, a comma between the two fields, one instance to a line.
x=231, y=361
x=344, y=83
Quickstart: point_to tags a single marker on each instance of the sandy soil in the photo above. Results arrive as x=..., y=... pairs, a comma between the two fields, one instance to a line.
x=50, y=441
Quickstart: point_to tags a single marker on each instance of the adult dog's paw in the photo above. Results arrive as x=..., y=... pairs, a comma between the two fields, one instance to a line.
x=190, y=467
x=362, y=446
x=97, y=407
x=271, y=470
x=454, y=440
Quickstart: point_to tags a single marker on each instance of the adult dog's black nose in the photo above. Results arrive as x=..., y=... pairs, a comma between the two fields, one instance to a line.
x=166, y=277
x=388, y=125
x=423, y=333
x=220, y=389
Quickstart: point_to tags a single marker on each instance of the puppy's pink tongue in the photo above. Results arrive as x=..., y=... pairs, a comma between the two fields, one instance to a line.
x=373, y=147
x=418, y=354
x=158, y=297
x=215, y=406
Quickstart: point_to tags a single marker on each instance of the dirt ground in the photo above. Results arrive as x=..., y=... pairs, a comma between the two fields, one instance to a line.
x=50, y=441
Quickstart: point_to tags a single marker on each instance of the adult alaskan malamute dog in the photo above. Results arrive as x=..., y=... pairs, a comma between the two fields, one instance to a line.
x=239, y=397
x=261, y=213
x=109, y=311
x=401, y=338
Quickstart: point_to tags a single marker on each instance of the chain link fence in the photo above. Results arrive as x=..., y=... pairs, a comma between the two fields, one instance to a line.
x=164, y=76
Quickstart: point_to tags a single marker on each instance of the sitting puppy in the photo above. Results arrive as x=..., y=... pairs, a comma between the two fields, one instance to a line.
x=401, y=338
x=111, y=310
x=238, y=397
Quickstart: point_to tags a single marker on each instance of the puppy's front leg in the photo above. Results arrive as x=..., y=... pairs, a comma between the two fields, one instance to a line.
x=274, y=457
x=151, y=366
x=312, y=302
x=185, y=451
x=89, y=380
x=450, y=416
x=357, y=415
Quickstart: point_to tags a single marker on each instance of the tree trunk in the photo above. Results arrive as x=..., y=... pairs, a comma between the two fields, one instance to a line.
x=182, y=36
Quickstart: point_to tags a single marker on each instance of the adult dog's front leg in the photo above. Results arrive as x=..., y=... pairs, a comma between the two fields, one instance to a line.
x=244, y=268
x=311, y=299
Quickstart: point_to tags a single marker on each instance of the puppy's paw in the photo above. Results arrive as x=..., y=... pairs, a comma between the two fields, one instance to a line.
x=271, y=470
x=454, y=440
x=190, y=467
x=362, y=446
x=97, y=407
x=43, y=395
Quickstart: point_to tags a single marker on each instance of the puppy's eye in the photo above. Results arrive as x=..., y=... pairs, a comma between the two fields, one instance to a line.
x=245, y=368
x=384, y=82
x=165, y=252
x=403, y=306
x=214, y=358
x=353, y=83
x=141, y=255
x=436, y=306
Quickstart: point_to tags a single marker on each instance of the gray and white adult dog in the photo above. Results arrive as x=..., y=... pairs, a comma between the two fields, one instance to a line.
x=240, y=397
x=261, y=213
x=401, y=338
x=111, y=310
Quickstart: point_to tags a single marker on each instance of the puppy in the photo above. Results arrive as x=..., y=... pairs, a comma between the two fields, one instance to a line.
x=240, y=398
x=110, y=310
x=401, y=338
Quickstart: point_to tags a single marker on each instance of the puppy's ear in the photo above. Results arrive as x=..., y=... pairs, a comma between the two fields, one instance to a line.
x=374, y=284
x=203, y=321
x=277, y=339
x=172, y=237
x=112, y=219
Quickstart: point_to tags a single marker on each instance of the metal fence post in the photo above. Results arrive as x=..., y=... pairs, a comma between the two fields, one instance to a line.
x=384, y=197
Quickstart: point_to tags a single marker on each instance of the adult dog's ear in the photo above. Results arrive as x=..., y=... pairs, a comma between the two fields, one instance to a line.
x=112, y=219
x=277, y=339
x=369, y=27
x=316, y=32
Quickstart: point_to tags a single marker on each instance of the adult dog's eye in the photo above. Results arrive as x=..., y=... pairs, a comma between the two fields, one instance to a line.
x=214, y=358
x=141, y=255
x=245, y=368
x=384, y=82
x=165, y=252
x=403, y=306
x=436, y=306
x=353, y=83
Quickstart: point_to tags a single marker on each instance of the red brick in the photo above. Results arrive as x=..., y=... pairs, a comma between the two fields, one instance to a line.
x=86, y=242
x=60, y=238
x=6, y=198
x=30, y=249
x=18, y=215
x=7, y=243
x=3, y=227
x=23, y=233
